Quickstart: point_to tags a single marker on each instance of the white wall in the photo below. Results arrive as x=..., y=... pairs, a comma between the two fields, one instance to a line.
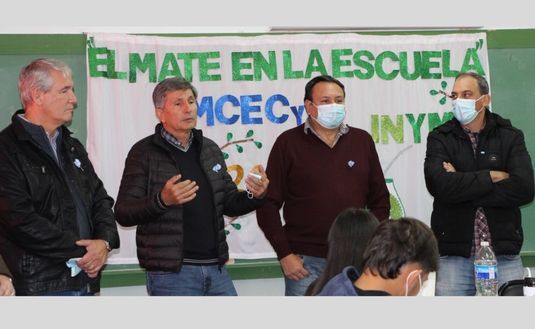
x=33, y=16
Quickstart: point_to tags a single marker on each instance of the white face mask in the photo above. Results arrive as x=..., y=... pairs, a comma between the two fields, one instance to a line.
x=330, y=116
x=419, y=281
x=464, y=110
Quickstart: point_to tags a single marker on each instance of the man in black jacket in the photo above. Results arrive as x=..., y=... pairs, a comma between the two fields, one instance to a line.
x=56, y=219
x=479, y=171
x=176, y=189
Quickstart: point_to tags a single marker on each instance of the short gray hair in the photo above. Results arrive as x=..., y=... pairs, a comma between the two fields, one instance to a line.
x=482, y=83
x=37, y=75
x=170, y=84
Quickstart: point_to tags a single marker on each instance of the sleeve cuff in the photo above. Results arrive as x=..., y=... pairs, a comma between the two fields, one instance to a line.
x=108, y=247
x=159, y=202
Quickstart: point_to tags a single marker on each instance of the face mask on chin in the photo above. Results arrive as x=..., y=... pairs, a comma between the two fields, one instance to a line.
x=330, y=116
x=419, y=281
x=464, y=110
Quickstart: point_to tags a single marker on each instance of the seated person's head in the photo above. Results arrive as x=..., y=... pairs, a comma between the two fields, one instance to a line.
x=399, y=257
x=349, y=236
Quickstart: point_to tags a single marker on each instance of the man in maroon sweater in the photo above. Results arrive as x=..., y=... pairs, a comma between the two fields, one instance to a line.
x=316, y=170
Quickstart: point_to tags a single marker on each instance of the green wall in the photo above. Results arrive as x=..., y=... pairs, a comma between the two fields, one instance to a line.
x=512, y=80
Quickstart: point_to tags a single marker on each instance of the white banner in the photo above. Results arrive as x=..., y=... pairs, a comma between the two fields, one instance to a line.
x=251, y=89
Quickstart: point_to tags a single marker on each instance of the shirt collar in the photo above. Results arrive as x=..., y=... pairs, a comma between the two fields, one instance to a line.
x=175, y=142
x=36, y=130
x=344, y=129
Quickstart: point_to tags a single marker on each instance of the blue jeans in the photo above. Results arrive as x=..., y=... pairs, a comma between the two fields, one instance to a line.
x=84, y=291
x=314, y=266
x=192, y=280
x=455, y=275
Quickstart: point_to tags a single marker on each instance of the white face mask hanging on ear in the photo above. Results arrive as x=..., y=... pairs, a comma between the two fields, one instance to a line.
x=419, y=281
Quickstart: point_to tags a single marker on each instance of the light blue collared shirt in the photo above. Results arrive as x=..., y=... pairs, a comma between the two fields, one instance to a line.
x=39, y=133
x=175, y=142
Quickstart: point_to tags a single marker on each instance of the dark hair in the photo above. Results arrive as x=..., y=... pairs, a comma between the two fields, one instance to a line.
x=170, y=84
x=348, y=237
x=321, y=78
x=399, y=242
x=481, y=81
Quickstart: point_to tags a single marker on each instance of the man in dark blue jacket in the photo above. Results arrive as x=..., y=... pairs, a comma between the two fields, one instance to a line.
x=479, y=171
x=56, y=219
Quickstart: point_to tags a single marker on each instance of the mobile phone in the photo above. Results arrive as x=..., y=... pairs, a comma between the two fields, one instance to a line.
x=257, y=176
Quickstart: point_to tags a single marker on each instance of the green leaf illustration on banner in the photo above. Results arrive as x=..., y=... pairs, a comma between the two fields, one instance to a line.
x=236, y=226
x=396, y=206
x=239, y=142
x=443, y=86
x=227, y=232
x=396, y=211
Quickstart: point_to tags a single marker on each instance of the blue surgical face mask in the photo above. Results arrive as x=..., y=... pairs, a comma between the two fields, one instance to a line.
x=330, y=116
x=464, y=110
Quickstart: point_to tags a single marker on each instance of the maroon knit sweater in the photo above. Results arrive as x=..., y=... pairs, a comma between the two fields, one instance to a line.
x=313, y=183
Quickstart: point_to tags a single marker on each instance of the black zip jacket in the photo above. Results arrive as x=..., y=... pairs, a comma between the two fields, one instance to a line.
x=458, y=195
x=38, y=226
x=159, y=235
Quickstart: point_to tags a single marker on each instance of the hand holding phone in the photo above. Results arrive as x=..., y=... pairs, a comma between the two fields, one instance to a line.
x=256, y=183
x=257, y=176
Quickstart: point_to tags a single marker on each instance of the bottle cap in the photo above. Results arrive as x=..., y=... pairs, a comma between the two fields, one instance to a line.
x=484, y=243
x=529, y=282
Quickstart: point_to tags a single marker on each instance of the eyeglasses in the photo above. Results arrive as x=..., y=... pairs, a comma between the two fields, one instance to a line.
x=447, y=95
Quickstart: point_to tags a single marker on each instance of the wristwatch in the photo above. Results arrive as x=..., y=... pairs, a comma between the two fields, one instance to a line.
x=107, y=245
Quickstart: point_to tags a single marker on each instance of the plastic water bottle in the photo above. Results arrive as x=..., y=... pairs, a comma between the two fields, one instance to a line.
x=529, y=283
x=486, y=271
